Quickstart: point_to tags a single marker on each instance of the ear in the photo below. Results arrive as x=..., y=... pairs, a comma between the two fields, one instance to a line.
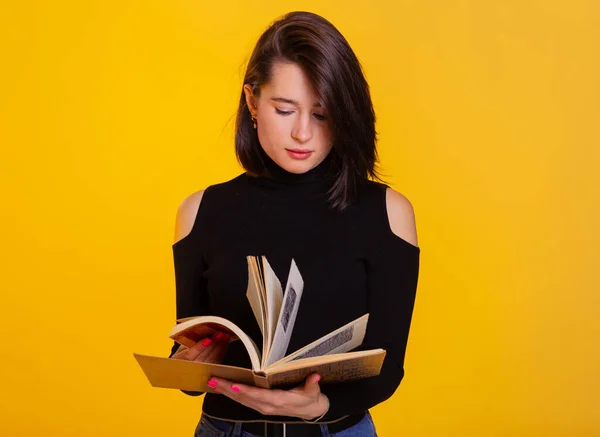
x=251, y=100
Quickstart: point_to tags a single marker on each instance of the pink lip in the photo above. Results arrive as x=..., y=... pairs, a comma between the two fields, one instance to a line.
x=299, y=153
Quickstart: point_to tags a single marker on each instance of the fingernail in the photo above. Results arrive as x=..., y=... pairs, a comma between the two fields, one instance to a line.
x=218, y=335
x=235, y=388
x=206, y=342
x=318, y=378
x=212, y=383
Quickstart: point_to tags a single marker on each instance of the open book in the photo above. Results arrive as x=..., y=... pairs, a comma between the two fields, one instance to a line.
x=275, y=312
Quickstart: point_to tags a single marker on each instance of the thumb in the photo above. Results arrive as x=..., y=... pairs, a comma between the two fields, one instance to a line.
x=312, y=383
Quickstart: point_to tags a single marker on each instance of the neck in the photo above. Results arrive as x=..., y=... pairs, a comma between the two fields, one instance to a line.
x=312, y=184
x=277, y=173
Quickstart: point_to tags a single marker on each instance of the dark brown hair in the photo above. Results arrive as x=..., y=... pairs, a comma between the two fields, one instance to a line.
x=313, y=43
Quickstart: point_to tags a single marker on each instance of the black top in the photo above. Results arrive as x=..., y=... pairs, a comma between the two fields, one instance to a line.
x=351, y=263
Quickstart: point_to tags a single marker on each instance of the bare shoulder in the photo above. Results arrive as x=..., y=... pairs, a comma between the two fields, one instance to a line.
x=401, y=216
x=186, y=215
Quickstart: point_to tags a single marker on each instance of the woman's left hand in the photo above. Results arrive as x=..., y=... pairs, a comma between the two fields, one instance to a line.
x=305, y=401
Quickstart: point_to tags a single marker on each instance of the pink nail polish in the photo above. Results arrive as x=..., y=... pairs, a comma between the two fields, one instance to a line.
x=218, y=335
x=318, y=378
x=235, y=388
x=212, y=383
x=206, y=342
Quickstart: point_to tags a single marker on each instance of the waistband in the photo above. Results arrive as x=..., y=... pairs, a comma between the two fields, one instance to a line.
x=287, y=429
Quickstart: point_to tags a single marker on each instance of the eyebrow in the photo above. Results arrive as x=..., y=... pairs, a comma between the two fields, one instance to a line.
x=292, y=102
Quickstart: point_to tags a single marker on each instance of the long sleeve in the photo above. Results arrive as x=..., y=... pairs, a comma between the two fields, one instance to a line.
x=392, y=276
x=190, y=285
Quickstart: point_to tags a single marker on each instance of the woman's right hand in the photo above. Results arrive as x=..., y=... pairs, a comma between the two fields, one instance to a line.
x=208, y=350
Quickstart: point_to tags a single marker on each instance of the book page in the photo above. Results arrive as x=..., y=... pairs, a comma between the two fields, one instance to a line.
x=274, y=299
x=194, y=329
x=332, y=368
x=287, y=316
x=259, y=274
x=341, y=340
x=255, y=294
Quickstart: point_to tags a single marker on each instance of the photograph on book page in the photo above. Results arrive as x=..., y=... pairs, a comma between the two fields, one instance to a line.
x=343, y=339
x=287, y=316
x=274, y=299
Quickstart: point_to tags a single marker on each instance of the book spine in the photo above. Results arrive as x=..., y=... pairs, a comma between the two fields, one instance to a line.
x=261, y=381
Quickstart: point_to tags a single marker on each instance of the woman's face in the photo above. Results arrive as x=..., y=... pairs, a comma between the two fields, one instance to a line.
x=291, y=124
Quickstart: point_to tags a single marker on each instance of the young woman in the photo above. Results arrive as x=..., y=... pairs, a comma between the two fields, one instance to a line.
x=305, y=134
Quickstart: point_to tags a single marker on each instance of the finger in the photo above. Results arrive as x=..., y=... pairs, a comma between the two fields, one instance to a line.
x=181, y=352
x=225, y=386
x=180, y=349
x=311, y=385
x=218, y=384
x=207, y=347
x=245, y=394
x=217, y=352
x=193, y=352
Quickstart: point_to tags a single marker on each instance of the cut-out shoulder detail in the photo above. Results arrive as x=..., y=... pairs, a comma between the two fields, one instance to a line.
x=186, y=215
x=401, y=217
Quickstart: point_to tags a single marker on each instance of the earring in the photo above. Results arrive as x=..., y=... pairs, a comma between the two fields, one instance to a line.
x=253, y=121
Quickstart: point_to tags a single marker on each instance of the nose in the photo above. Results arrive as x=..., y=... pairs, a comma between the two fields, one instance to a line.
x=302, y=131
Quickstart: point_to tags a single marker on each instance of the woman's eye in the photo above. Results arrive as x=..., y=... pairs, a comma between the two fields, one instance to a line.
x=317, y=116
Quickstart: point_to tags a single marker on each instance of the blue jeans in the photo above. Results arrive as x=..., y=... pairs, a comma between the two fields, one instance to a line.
x=209, y=427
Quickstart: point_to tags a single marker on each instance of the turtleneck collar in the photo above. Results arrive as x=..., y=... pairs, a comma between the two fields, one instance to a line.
x=278, y=174
x=311, y=184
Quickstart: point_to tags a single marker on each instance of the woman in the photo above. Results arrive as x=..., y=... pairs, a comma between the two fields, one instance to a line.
x=305, y=134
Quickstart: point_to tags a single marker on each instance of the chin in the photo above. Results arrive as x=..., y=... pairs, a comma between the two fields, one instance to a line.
x=298, y=166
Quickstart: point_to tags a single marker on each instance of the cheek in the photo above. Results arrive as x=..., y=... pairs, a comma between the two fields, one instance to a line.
x=325, y=136
x=272, y=129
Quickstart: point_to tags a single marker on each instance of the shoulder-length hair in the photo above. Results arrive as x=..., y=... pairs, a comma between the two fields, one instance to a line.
x=313, y=43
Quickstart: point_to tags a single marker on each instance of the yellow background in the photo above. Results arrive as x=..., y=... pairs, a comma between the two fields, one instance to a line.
x=111, y=112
